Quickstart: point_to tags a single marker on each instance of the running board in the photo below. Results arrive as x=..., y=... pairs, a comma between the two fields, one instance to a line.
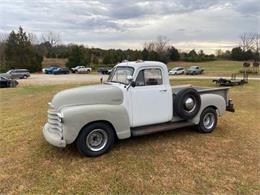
x=145, y=130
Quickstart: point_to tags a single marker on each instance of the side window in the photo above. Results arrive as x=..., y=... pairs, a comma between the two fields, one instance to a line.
x=151, y=76
x=140, y=79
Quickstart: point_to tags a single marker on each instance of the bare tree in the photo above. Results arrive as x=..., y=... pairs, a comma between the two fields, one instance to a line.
x=51, y=37
x=33, y=38
x=257, y=42
x=159, y=47
x=247, y=41
x=162, y=44
x=150, y=46
x=219, y=52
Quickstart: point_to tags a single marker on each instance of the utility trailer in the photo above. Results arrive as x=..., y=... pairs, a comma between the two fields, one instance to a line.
x=233, y=81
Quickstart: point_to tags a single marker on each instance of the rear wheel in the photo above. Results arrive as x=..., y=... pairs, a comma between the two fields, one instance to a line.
x=208, y=120
x=95, y=139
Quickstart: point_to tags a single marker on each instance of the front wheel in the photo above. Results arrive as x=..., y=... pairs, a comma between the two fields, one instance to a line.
x=208, y=120
x=95, y=139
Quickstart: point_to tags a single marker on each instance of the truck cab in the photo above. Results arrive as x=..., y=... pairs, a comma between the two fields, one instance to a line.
x=148, y=99
x=136, y=100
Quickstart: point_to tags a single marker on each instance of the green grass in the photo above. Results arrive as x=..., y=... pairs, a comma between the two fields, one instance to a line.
x=214, y=68
x=177, y=162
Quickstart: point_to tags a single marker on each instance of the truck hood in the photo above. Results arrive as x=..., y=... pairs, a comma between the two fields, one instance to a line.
x=88, y=95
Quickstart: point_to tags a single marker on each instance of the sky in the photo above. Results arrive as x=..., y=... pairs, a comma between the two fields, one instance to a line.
x=187, y=24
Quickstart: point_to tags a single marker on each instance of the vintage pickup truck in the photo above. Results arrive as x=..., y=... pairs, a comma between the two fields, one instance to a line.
x=137, y=99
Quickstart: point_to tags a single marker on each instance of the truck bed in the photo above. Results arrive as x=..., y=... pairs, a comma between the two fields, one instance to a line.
x=222, y=91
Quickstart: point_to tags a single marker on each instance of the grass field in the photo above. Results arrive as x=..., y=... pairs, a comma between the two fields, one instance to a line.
x=214, y=68
x=181, y=161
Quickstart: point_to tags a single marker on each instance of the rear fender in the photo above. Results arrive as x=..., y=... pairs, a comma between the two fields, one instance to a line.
x=210, y=100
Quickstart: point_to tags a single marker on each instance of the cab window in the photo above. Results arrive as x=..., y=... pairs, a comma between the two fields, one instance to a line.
x=151, y=76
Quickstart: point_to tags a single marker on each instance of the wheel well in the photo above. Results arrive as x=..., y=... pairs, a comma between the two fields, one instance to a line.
x=100, y=121
x=214, y=107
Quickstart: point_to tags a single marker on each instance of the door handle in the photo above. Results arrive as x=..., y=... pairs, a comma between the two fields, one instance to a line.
x=163, y=90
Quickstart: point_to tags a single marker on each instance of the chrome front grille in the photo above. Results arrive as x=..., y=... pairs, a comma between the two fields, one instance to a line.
x=54, y=121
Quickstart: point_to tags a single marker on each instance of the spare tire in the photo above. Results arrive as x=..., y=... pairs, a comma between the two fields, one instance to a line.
x=187, y=103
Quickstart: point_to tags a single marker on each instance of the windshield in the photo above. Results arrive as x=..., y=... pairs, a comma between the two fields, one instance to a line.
x=119, y=74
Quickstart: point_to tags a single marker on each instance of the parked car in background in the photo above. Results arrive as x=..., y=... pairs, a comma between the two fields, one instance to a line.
x=177, y=71
x=104, y=70
x=63, y=70
x=194, y=70
x=17, y=74
x=7, y=82
x=84, y=70
x=75, y=69
x=49, y=70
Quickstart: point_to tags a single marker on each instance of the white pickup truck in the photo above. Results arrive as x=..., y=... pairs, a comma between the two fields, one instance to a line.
x=81, y=69
x=137, y=99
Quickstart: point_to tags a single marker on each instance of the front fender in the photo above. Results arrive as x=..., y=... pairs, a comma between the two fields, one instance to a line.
x=213, y=100
x=76, y=117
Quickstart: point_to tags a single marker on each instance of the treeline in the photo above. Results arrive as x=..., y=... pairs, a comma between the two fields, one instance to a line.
x=248, y=49
x=159, y=50
x=238, y=54
x=23, y=50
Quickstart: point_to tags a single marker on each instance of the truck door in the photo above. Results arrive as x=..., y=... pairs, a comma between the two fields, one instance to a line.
x=151, y=100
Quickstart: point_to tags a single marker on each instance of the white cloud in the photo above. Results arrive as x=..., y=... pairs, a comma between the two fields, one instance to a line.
x=128, y=24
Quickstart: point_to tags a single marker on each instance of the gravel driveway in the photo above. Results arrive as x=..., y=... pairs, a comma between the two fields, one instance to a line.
x=49, y=79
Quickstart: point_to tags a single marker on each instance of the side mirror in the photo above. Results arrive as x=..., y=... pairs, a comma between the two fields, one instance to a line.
x=129, y=78
x=131, y=81
x=133, y=84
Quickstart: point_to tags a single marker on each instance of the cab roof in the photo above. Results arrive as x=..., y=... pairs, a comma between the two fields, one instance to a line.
x=140, y=63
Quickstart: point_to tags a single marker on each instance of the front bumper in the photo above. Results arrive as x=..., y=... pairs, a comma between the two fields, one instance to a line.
x=230, y=106
x=53, y=138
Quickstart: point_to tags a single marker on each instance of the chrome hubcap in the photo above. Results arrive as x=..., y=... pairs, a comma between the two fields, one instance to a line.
x=97, y=140
x=209, y=120
x=189, y=104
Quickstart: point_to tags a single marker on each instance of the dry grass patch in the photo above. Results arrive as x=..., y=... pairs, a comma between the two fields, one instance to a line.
x=54, y=62
x=180, y=161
